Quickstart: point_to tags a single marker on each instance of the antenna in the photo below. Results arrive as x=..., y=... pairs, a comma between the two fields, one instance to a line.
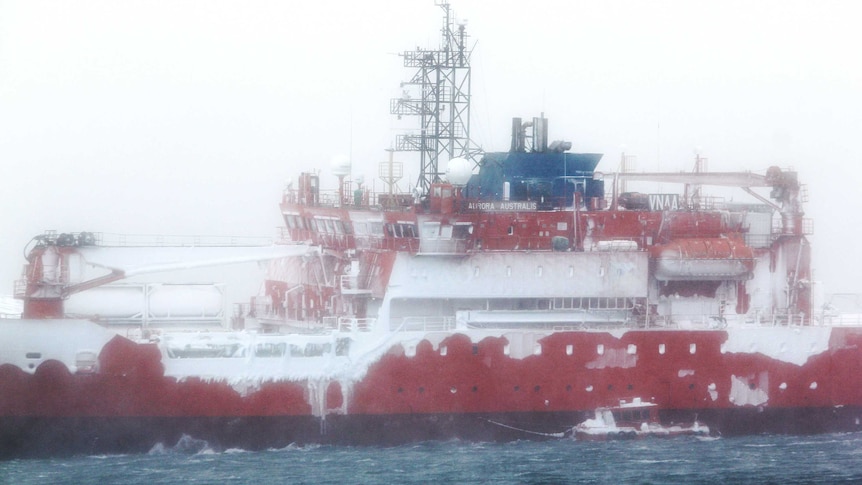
x=442, y=79
x=390, y=172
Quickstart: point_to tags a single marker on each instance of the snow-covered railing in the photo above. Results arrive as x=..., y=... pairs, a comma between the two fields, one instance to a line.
x=753, y=320
x=844, y=319
x=20, y=288
x=148, y=240
x=145, y=240
x=350, y=285
x=350, y=324
x=425, y=324
x=442, y=246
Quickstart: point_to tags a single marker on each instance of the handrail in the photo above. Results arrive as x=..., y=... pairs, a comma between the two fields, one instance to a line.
x=425, y=324
x=149, y=240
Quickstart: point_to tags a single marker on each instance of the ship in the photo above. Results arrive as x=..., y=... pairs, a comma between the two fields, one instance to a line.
x=630, y=420
x=508, y=296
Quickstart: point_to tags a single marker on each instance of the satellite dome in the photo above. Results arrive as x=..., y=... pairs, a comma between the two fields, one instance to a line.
x=340, y=166
x=459, y=171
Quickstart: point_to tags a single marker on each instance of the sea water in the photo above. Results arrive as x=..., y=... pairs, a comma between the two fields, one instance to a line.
x=835, y=458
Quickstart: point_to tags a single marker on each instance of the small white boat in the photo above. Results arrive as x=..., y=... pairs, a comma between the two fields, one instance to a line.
x=634, y=419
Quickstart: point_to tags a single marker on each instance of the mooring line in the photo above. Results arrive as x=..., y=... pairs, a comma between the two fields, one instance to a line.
x=552, y=435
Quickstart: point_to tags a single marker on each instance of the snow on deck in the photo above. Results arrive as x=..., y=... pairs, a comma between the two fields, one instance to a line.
x=10, y=307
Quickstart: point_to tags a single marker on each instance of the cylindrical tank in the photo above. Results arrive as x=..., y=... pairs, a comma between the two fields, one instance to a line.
x=703, y=259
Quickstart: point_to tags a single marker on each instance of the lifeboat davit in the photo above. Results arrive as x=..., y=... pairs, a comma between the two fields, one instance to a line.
x=703, y=259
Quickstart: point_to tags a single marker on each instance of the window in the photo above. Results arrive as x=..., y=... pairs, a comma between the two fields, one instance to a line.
x=462, y=231
x=401, y=229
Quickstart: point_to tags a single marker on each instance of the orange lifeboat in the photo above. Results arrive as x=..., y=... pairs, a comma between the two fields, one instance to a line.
x=703, y=259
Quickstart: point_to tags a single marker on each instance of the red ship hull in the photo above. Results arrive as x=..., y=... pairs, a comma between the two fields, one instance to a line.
x=473, y=392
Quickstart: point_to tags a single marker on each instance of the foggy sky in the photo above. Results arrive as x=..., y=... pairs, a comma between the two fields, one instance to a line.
x=187, y=117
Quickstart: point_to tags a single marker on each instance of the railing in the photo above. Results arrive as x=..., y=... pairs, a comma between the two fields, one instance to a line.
x=425, y=324
x=148, y=240
x=20, y=288
x=759, y=240
x=350, y=324
x=514, y=242
x=350, y=285
x=443, y=246
x=750, y=320
x=806, y=227
x=850, y=319
x=135, y=240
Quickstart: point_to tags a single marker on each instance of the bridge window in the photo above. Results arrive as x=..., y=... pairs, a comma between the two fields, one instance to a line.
x=461, y=230
x=401, y=229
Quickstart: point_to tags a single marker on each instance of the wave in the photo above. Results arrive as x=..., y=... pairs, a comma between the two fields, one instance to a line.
x=186, y=445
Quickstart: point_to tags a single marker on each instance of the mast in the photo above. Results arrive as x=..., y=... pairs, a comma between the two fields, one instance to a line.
x=442, y=79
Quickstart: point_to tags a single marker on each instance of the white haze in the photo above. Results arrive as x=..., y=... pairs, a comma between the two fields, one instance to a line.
x=186, y=117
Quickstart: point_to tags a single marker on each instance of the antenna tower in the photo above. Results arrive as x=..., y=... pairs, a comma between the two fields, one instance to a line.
x=443, y=106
